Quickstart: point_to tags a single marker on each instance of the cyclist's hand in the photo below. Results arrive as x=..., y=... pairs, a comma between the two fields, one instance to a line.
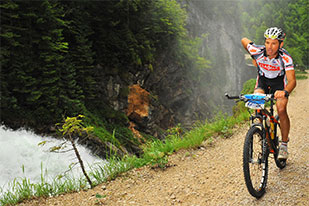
x=254, y=62
x=280, y=94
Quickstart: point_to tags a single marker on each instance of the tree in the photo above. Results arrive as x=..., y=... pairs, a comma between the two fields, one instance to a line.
x=297, y=26
x=71, y=130
x=10, y=34
x=38, y=84
x=80, y=53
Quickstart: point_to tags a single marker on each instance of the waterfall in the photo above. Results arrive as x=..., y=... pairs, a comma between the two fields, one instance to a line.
x=22, y=157
x=222, y=46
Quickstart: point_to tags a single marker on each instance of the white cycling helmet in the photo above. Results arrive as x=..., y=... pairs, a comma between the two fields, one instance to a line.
x=274, y=33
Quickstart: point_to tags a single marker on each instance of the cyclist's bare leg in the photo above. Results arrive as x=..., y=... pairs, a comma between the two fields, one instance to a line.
x=284, y=118
x=259, y=90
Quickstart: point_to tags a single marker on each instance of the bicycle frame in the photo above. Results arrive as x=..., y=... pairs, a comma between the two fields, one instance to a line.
x=262, y=114
x=271, y=133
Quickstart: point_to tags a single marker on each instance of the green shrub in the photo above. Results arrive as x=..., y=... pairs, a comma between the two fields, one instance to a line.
x=248, y=87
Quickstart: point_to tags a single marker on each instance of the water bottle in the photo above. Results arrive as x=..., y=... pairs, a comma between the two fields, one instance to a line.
x=272, y=129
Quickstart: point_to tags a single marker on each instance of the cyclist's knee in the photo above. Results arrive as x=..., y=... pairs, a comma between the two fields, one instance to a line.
x=259, y=90
x=281, y=110
x=282, y=106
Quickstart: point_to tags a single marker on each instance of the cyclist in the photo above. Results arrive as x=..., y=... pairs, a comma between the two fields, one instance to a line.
x=276, y=75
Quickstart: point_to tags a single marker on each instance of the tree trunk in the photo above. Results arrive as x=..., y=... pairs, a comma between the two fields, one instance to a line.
x=80, y=160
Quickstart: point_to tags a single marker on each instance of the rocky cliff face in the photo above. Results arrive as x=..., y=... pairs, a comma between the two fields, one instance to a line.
x=172, y=96
x=220, y=23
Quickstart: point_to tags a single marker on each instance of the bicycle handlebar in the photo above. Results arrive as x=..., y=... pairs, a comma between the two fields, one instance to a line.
x=232, y=97
x=267, y=98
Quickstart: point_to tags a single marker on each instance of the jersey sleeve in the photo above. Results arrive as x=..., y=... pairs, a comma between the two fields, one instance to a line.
x=255, y=50
x=288, y=62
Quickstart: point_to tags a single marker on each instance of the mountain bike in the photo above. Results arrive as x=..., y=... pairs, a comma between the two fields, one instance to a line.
x=261, y=139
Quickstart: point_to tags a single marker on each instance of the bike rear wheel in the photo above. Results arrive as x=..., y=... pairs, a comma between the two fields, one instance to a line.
x=280, y=163
x=255, y=162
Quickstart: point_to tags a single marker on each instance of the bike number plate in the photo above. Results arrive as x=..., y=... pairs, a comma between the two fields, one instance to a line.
x=254, y=105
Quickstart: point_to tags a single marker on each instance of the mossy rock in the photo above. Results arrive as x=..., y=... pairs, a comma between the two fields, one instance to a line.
x=124, y=92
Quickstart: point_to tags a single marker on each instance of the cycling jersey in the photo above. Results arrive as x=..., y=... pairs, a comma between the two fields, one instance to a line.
x=270, y=68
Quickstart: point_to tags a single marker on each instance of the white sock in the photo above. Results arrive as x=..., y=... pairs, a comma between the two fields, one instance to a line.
x=285, y=144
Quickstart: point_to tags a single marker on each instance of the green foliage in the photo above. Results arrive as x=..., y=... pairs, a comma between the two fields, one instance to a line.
x=156, y=158
x=297, y=26
x=301, y=74
x=22, y=189
x=239, y=110
x=80, y=53
x=110, y=126
x=248, y=87
x=133, y=39
x=291, y=15
x=74, y=126
x=36, y=84
x=299, y=77
x=188, y=54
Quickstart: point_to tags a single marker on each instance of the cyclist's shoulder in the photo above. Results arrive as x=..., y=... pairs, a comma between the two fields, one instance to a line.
x=285, y=55
x=283, y=52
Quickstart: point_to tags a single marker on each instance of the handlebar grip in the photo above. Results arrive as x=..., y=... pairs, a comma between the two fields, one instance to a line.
x=231, y=97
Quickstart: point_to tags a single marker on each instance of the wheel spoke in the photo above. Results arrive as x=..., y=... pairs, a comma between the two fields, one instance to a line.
x=255, y=162
x=256, y=166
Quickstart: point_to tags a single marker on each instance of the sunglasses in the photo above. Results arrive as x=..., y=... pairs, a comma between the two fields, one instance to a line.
x=271, y=36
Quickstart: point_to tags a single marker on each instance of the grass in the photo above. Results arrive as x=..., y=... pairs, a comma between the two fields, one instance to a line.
x=299, y=77
x=301, y=74
x=22, y=189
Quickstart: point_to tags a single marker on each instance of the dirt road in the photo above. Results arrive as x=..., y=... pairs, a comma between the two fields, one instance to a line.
x=211, y=175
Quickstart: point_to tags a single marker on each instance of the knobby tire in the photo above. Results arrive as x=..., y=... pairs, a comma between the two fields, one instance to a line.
x=255, y=162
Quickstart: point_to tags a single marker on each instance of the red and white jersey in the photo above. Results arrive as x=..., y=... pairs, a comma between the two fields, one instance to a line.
x=271, y=68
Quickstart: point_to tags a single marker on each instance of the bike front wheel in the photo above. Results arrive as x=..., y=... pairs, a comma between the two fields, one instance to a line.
x=255, y=162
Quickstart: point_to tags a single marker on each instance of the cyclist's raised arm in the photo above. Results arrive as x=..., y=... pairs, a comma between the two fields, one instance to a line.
x=245, y=42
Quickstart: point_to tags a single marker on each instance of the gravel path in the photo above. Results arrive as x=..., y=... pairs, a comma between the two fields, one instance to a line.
x=210, y=175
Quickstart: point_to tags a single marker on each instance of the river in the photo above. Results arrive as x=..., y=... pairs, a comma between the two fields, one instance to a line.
x=21, y=156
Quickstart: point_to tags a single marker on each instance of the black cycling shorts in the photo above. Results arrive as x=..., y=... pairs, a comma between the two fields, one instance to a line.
x=270, y=85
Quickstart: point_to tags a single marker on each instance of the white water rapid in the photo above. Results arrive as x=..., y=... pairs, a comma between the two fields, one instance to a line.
x=21, y=156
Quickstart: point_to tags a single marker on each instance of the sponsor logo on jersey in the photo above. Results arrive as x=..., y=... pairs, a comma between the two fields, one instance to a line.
x=286, y=59
x=269, y=67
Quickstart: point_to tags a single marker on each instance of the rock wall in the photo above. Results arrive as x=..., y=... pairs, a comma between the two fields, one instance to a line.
x=174, y=97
